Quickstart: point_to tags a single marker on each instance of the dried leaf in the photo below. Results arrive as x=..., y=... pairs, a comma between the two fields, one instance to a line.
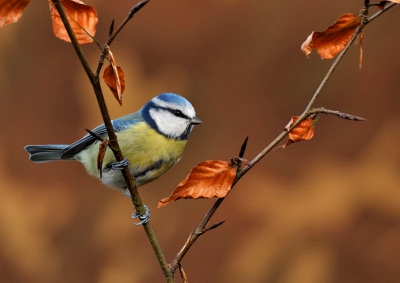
x=330, y=42
x=302, y=132
x=114, y=77
x=100, y=156
x=212, y=178
x=83, y=19
x=11, y=10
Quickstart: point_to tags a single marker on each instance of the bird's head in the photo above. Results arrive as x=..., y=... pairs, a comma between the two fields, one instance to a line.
x=171, y=115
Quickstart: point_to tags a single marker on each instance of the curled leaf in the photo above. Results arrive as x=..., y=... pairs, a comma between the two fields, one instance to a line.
x=114, y=77
x=211, y=178
x=11, y=10
x=302, y=132
x=330, y=42
x=83, y=19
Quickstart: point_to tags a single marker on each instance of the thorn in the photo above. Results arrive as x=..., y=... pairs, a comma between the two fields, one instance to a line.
x=111, y=29
x=243, y=148
x=93, y=134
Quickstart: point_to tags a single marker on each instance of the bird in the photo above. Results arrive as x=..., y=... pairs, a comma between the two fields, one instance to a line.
x=151, y=140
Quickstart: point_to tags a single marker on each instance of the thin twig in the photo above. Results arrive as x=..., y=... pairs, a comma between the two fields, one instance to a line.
x=201, y=227
x=211, y=227
x=74, y=41
x=183, y=274
x=337, y=113
x=82, y=28
x=112, y=36
x=131, y=13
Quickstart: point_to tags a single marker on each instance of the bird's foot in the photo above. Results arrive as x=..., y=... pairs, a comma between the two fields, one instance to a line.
x=144, y=218
x=119, y=165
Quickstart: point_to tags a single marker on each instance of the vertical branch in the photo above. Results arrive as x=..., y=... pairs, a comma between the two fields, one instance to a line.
x=94, y=79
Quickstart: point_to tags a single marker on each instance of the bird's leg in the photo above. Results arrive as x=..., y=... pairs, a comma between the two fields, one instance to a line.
x=144, y=218
x=119, y=165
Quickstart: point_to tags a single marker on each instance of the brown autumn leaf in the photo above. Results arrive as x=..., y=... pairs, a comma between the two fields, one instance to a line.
x=114, y=77
x=302, y=132
x=211, y=178
x=330, y=42
x=11, y=10
x=83, y=19
x=100, y=156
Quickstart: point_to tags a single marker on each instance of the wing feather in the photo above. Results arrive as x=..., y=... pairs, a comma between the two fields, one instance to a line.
x=118, y=125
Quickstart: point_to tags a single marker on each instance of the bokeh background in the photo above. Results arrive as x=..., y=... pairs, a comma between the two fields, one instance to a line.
x=327, y=210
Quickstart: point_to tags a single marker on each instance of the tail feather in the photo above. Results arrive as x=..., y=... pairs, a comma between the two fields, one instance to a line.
x=45, y=153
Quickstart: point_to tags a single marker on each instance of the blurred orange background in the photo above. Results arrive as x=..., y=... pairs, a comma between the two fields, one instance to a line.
x=326, y=210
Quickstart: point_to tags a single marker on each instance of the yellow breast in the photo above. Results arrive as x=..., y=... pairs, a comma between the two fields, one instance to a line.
x=145, y=149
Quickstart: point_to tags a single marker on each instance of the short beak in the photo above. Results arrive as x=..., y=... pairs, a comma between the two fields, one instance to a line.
x=195, y=121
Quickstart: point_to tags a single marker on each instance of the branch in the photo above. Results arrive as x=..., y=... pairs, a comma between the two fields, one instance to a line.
x=114, y=146
x=335, y=112
x=112, y=36
x=201, y=228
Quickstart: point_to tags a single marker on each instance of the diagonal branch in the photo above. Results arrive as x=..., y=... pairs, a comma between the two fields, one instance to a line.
x=203, y=224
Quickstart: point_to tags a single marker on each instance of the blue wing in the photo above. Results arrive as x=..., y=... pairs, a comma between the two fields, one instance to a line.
x=118, y=125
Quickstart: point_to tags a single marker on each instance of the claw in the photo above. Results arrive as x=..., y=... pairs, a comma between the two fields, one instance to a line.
x=144, y=218
x=120, y=165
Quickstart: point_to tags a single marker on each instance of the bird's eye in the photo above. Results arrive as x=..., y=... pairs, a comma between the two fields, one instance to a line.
x=178, y=113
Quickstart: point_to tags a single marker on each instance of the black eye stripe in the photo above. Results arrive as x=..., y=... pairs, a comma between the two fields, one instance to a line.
x=178, y=113
x=173, y=111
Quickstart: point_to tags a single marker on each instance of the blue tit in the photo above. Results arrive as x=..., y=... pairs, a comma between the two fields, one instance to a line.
x=151, y=140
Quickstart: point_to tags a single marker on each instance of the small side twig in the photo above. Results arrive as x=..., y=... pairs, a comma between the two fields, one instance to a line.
x=112, y=35
x=81, y=27
x=211, y=227
x=342, y=115
x=183, y=274
x=131, y=13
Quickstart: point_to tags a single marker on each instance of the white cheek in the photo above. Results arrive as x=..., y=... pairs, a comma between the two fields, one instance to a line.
x=168, y=123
